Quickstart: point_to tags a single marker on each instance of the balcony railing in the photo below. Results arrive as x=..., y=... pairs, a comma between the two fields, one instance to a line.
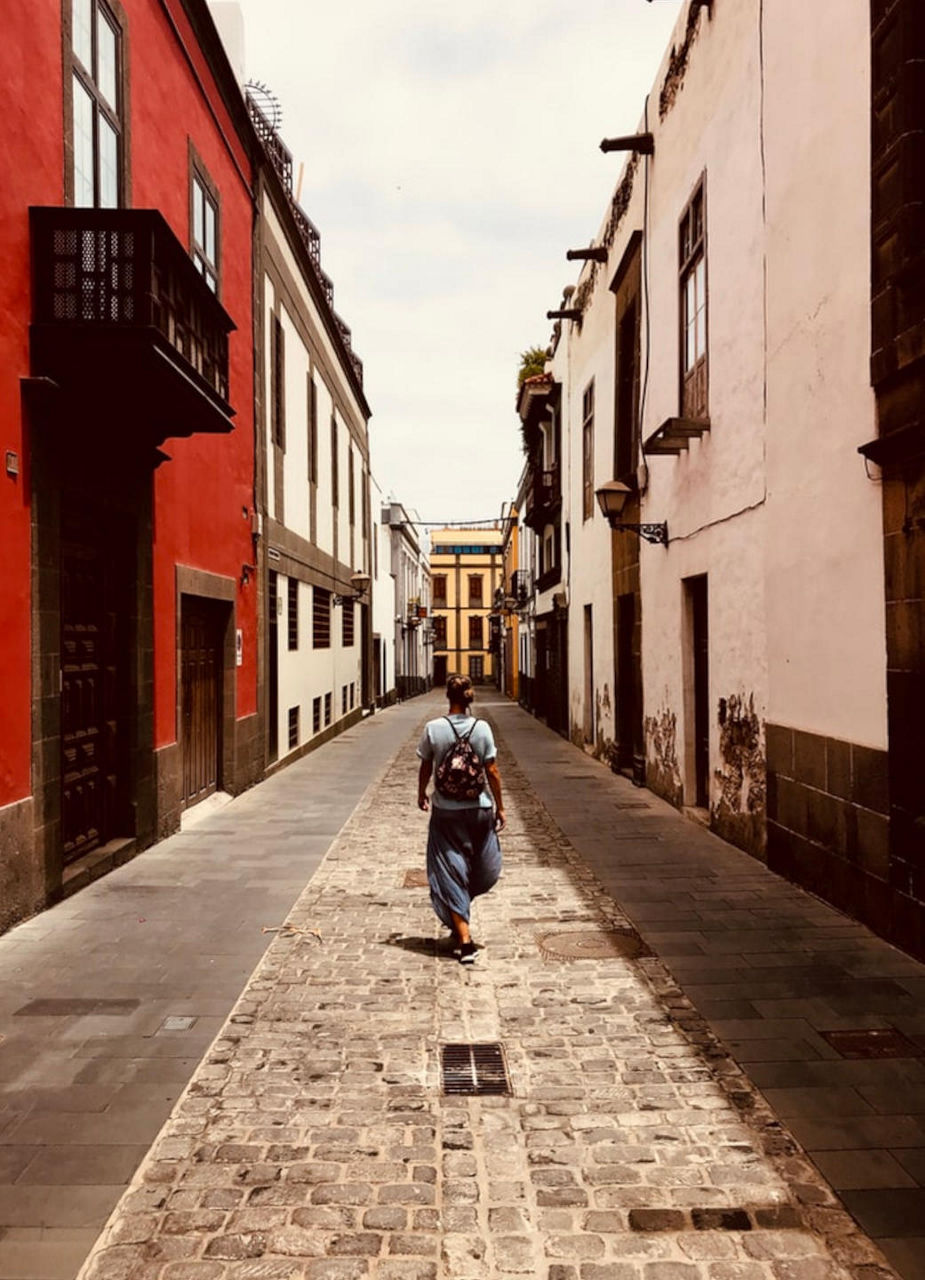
x=280, y=157
x=123, y=271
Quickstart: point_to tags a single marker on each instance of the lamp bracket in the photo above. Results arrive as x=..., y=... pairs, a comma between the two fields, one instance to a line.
x=657, y=533
x=643, y=143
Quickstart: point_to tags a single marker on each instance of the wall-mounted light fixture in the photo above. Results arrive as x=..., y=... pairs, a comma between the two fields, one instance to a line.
x=247, y=571
x=612, y=498
x=566, y=313
x=643, y=143
x=360, y=584
x=594, y=253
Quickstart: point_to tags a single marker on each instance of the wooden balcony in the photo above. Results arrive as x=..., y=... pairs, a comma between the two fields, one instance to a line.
x=125, y=325
x=544, y=498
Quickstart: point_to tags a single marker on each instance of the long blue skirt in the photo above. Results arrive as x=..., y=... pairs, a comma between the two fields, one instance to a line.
x=463, y=859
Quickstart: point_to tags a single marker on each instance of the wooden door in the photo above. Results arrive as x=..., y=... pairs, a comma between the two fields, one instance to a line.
x=589, y=675
x=82, y=673
x=701, y=655
x=202, y=643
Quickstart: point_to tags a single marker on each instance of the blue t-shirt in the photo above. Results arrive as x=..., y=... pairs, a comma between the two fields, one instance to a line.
x=438, y=737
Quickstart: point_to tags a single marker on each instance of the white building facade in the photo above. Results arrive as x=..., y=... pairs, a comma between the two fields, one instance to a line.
x=726, y=640
x=314, y=551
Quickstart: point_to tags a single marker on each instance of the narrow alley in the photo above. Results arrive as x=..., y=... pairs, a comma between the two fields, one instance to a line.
x=190, y=1090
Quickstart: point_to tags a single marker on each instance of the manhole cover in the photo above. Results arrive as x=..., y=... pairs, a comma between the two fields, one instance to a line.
x=597, y=944
x=415, y=880
x=474, y=1069
x=883, y=1042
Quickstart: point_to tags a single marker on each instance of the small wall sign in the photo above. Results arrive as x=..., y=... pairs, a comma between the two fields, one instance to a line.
x=239, y=648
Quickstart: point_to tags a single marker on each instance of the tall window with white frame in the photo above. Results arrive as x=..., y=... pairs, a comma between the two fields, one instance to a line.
x=96, y=44
x=587, y=451
x=204, y=229
x=692, y=254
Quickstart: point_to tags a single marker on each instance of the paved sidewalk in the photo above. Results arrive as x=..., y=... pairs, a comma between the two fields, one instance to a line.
x=89, y=1065
x=315, y=1140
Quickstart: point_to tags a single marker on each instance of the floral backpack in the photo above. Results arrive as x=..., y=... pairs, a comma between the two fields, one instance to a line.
x=460, y=775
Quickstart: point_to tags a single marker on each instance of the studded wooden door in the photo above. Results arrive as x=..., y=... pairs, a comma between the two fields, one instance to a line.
x=201, y=687
x=82, y=695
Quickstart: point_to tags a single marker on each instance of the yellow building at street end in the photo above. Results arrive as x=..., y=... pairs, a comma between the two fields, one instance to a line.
x=466, y=569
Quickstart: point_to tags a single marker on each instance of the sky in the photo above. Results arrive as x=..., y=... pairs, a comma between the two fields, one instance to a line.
x=451, y=158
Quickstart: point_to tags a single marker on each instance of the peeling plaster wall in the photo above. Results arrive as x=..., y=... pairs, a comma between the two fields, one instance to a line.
x=712, y=494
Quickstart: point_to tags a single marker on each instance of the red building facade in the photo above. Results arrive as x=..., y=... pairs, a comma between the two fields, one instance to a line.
x=128, y=673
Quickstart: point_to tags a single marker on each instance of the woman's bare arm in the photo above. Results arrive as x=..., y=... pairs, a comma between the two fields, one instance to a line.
x=494, y=782
x=426, y=769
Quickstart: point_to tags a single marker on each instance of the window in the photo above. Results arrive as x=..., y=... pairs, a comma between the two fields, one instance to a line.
x=96, y=43
x=278, y=382
x=316, y=715
x=312, y=431
x=475, y=632
x=327, y=709
x=335, y=475
x=475, y=591
x=351, y=489
x=439, y=590
x=292, y=614
x=353, y=694
x=587, y=451
x=347, y=624
x=476, y=669
x=693, y=284
x=343, y=701
x=205, y=229
x=440, y=632
x=293, y=727
x=627, y=288
x=321, y=618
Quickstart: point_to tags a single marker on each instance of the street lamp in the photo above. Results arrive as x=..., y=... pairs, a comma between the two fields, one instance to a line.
x=360, y=584
x=612, y=498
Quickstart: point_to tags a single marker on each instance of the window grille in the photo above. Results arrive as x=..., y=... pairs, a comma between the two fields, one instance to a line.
x=292, y=613
x=347, y=624
x=321, y=618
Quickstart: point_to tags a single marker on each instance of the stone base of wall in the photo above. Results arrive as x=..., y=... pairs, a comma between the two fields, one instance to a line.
x=332, y=731
x=829, y=830
x=22, y=874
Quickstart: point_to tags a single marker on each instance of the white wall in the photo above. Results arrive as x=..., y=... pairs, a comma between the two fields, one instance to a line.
x=713, y=494
x=306, y=673
x=824, y=560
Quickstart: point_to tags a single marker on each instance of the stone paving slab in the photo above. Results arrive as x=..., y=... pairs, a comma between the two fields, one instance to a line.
x=88, y=1072
x=315, y=1140
x=772, y=969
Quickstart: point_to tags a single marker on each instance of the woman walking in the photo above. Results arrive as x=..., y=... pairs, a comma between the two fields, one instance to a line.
x=463, y=853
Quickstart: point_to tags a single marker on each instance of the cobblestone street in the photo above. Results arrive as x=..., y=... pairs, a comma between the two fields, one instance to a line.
x=315, y=1140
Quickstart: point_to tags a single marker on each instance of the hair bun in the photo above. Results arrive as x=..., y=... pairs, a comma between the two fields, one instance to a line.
x=469, y=695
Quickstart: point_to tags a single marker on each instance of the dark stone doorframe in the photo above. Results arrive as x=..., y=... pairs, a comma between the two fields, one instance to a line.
x=201, y=584
x=106, y=480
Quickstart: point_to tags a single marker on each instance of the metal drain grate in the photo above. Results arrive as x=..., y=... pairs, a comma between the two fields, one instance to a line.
x=476, y=1069
x=416, y=879
x=885, y=1042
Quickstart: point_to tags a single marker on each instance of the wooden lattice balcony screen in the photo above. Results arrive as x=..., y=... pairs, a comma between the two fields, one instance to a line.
x=124, y=268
